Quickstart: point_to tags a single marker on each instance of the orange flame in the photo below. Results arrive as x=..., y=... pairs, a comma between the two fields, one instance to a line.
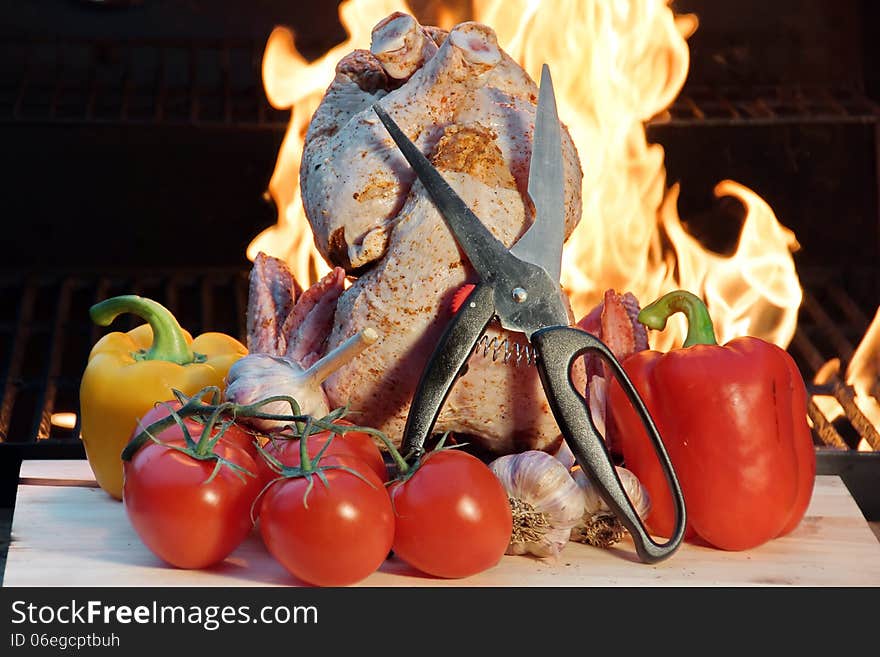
x=863, y=374
x=632, y=61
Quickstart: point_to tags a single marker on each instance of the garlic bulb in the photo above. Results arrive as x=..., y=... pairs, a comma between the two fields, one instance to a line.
x=599, y=526
x=545, y=500
x=258, y=376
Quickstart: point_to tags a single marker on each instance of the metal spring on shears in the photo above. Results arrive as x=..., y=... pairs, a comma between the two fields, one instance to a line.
x=510, y=353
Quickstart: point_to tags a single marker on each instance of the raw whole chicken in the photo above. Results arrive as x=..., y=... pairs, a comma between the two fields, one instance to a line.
x=470, y=108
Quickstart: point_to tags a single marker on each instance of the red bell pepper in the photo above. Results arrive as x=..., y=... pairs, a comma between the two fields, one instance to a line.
x=734, y=421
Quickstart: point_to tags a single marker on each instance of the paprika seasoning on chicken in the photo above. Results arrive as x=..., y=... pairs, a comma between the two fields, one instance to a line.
x=733, y=419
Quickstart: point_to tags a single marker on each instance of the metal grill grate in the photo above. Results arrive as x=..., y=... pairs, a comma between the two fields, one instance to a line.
x=770, y=105
x=830, y=326
x=218, y=83
x=47, y=335
x=214, y=83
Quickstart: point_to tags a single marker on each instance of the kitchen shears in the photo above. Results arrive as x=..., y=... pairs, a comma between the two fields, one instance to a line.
x=520, y=288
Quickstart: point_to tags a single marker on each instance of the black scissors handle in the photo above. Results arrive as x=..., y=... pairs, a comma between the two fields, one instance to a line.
x=557, y=348
x=447, y=362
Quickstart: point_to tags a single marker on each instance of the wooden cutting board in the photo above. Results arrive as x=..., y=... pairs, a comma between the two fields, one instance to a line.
x=68, y=532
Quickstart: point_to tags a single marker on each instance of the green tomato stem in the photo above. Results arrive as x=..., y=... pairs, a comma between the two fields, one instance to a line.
x=304, y=425
x=304, y=461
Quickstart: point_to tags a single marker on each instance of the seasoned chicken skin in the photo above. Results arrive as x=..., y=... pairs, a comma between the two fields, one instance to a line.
x=353, y=178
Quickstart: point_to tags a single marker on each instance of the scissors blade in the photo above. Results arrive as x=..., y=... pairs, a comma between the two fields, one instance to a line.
x=542, y=242
x=484, y=251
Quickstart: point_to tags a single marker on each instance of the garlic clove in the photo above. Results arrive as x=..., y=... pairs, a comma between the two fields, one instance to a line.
x=258, y=376
x=599, y=526
x=545, y=501
x=564, y=455
x=598, y=396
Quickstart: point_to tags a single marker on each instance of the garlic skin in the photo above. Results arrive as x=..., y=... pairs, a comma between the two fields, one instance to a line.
x=545, y=500
x=258, y=376
x=565, y=456
x=598, y=389
x=599, y=526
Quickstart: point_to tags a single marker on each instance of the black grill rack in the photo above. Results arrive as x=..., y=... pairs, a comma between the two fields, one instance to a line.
x=218, y=83
x=770, y=105
x=47, y=335
x=137, y=81
x=823, y=345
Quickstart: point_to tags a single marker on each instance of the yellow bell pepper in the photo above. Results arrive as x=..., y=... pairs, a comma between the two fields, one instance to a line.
x=128, y=373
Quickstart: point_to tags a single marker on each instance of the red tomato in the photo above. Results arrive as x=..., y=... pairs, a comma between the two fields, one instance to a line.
x=355, y=444
x=453, y=516
x=338, y=534
x=180, y=516
x=234, y=434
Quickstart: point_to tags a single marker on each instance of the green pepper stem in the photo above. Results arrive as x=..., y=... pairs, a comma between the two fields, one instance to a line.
x=169, y=342
x=700, y=329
